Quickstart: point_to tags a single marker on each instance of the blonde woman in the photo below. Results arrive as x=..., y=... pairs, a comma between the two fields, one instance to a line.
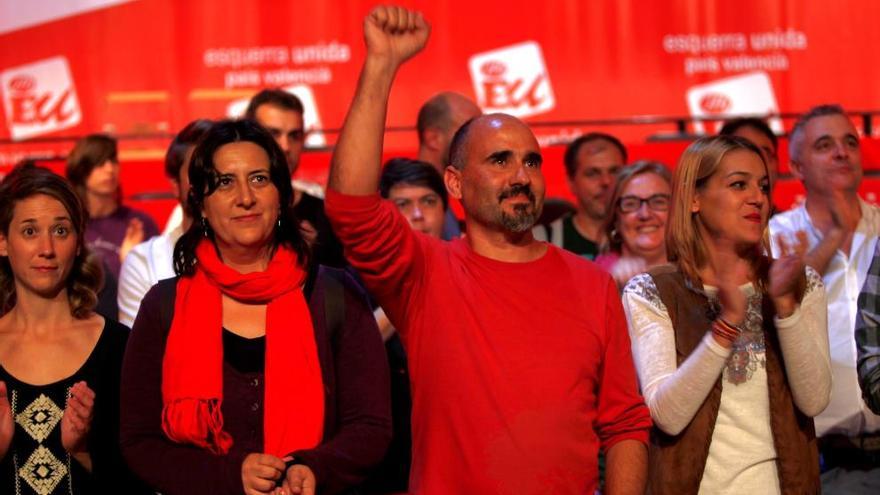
x=731, y=347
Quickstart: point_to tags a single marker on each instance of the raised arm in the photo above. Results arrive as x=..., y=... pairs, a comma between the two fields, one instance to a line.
x=392, y=35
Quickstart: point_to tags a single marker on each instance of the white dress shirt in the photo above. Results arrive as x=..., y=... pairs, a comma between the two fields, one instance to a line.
x=146, y=264
x=844, y=277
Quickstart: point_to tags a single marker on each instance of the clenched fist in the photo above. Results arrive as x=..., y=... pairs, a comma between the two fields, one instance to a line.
x=394, y=34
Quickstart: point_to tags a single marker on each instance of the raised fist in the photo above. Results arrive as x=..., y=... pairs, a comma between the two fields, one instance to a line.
x=394, y=34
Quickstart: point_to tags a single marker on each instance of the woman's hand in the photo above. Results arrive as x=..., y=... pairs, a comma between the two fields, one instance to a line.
x=787, y=273
x=7, y=425
x=77, y=418
x=627, y=268
x=259, y=473
x=300, y=480
x=733, y=301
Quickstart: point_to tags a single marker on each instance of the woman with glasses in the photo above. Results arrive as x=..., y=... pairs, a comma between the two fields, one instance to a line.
x=731, y=347
x=636, y=224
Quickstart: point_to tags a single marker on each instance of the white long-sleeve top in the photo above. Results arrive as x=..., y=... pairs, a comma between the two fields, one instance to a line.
x=741, y=454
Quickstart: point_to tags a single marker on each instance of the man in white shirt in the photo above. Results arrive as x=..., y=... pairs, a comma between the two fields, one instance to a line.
x=842, y=231
x=152, y=260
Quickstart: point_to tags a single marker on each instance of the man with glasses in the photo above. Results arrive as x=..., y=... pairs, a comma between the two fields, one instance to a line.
x=591, y=164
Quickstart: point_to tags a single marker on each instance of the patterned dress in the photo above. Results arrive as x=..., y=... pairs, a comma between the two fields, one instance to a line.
x=36, y=462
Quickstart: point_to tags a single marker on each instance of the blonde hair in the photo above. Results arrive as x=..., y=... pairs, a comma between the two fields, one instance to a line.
x=685, y=247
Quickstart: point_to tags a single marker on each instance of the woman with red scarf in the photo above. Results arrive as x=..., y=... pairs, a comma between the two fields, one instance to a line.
x=252, y=371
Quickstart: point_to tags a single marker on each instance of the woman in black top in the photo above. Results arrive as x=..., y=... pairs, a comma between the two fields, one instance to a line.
x=59, y=361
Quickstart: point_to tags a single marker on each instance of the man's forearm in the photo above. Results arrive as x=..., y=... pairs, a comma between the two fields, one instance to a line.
x=626, y=470
x=357, y=158
x=819, y=257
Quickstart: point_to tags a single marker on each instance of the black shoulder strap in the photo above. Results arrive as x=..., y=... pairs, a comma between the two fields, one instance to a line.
x=334, y=300
x=167, y=293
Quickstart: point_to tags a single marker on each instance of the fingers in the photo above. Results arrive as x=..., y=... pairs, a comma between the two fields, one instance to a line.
x=803, y=243
x=784, y=249
x=395, y=19
x=80, y=407
x=260, y=472
x=300, y=480
x=3, y=396
x=82, y=400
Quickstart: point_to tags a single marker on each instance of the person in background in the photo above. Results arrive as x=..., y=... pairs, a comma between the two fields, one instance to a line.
x=59, y=360
x=842, y=232
x=438, y=120
x=636, y=224
x=253, y=368
x=757, y=132
x=281, y=114
x=113, y=228
x=730, y=346
x=417, y=189
x=153, y=260
x=591, y=165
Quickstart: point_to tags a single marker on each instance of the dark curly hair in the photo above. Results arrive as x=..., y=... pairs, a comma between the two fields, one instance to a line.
x=203, y=182
x=86, y=276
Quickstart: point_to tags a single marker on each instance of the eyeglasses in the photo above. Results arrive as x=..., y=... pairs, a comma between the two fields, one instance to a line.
x=657, y=202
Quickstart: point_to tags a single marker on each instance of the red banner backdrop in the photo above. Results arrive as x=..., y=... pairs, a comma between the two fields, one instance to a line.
x=144, y=68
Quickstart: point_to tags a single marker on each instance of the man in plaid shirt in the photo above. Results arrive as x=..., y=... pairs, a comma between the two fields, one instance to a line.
x=868, y=335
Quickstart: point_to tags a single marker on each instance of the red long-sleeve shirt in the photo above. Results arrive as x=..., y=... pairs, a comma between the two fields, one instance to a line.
x=520, y=371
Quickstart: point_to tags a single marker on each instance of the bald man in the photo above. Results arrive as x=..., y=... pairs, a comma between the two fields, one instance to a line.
x=519, y=354
x=438, y=120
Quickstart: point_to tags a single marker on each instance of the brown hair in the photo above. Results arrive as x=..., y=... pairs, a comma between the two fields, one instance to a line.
x=684, y=245
x=624, y=176
x=88, y=153
x=86, y=276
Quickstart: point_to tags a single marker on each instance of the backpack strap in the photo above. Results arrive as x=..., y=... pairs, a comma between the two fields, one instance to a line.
x=334, y=300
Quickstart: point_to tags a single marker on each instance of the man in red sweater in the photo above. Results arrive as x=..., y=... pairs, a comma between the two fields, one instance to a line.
x=519, y=355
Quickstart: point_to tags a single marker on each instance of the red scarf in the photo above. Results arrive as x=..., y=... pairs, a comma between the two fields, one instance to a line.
x=192, y=370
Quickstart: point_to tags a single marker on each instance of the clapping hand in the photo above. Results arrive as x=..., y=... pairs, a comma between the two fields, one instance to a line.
x=787, y=273
x=77, y=419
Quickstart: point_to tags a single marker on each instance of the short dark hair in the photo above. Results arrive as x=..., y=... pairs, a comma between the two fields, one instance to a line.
x=204, y=181
x=796, y=136
x=88, y=153
x=188, y=136
x=571, y=152
x=274, y=96
x=413, y=173
x=732, y=126
x=434, y=113
x=86, y=276
x=459, y=142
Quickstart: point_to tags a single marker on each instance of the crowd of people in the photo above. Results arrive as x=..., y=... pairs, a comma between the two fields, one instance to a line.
x=669, y=333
